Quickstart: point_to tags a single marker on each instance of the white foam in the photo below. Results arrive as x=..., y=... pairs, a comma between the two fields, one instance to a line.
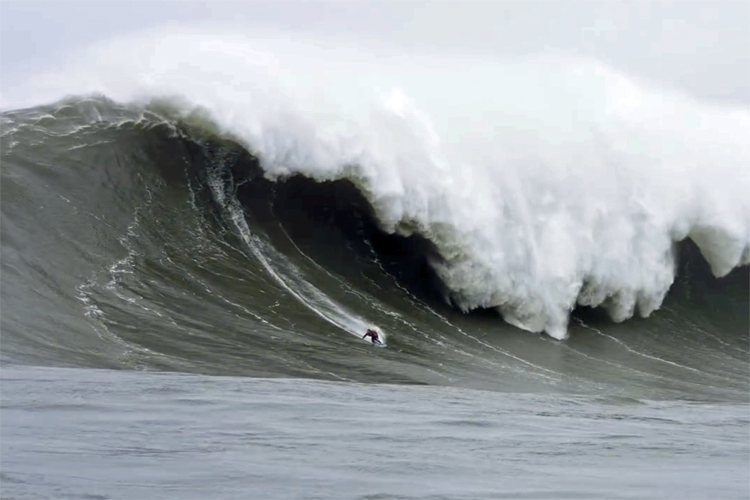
x=544, y=182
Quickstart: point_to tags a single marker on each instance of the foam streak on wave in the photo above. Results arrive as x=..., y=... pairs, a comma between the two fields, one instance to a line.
x=290, y=279
x=544, y=183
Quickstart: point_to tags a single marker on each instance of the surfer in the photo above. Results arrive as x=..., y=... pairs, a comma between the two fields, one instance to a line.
x=373, y=335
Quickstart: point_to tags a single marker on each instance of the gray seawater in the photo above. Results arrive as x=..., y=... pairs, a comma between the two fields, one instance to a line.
x=97, y=434
x=176, y=326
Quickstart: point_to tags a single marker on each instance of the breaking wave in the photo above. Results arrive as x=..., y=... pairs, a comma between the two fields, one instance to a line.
x=539, y=184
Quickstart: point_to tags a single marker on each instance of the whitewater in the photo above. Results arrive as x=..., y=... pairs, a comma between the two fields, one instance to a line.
x=543, y=183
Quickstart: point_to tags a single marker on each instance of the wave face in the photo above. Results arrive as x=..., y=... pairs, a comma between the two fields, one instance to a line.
x=256, y=199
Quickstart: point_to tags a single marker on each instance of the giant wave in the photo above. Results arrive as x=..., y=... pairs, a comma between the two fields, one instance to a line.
x=541, y=183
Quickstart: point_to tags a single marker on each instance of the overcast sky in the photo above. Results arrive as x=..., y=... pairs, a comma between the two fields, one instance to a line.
x=700, y=47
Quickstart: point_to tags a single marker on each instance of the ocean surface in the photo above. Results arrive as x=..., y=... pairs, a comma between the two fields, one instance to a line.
x=188, y=267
